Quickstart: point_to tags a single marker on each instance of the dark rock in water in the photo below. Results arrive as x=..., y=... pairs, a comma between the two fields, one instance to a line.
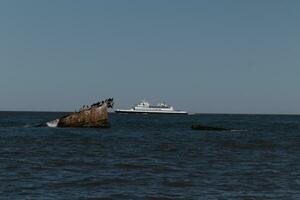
x=208, y=128
x=94, y=116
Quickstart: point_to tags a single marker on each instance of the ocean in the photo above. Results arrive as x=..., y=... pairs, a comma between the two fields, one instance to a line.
x=151, y=157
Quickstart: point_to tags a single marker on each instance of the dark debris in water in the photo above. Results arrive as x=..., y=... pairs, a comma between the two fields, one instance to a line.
x=208, y=128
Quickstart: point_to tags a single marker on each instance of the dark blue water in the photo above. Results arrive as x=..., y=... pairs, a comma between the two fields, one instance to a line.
x=151, y=157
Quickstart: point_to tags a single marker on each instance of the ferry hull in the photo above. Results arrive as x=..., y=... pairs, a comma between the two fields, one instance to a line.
x=151, y=112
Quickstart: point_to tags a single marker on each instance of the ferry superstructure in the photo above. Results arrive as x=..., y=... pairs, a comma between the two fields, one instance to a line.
x=144, y=107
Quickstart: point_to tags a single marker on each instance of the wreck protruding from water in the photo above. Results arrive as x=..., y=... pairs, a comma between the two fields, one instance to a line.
x=95, y=116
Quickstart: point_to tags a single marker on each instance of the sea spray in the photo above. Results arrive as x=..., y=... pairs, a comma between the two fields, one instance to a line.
x=52, y=123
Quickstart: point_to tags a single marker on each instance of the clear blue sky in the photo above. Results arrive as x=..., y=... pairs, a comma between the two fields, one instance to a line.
x=202, y=56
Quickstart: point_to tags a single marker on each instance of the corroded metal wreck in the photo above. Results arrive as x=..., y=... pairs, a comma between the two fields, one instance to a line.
x=95, y=116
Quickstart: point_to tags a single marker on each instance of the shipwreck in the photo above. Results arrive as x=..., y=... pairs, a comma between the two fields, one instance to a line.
x=95, y=116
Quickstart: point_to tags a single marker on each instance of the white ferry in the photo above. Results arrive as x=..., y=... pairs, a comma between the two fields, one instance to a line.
x=144, y=107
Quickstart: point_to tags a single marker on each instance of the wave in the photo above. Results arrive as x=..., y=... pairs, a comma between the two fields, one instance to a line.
x=238, y=130
x=52, y=123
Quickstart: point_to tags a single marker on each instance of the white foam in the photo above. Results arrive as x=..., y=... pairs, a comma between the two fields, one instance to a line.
x=52, y=123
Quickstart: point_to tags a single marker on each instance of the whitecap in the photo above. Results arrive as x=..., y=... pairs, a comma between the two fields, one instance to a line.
x=52, y=123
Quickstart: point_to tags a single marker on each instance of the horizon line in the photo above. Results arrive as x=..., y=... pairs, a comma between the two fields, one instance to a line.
x=195, y=113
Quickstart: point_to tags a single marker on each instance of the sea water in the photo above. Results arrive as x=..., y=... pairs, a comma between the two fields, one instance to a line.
x=150, y=157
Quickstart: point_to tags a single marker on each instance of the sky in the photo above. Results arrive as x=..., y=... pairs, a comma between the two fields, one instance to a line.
x=205, y=56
